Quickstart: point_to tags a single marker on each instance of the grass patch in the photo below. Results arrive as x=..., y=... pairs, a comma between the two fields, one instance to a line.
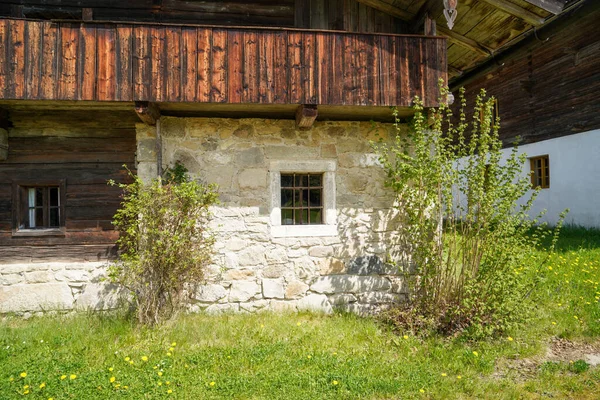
x=299, y=356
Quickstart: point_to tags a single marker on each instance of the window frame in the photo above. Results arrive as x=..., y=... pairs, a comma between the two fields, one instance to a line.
x=545, y=178
x=16, y=207
x=325, y=167
x=301, y=189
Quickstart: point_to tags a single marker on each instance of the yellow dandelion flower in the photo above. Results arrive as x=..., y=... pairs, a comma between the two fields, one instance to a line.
x=50, y=398
x=173, y=344
x=262, y=326
x=553, y=323
x=159, y=383
x=171, y=349
x=550, y=268
x=167, y=382
x=334, y=353
x=26, y=387
x=510, y=339
x=459, y=377
x=112, y=379
x=335, y=382
x=118, y=385
x=110, y=369
x=26, y=391
x=160, y=373
x=42, y=385
x=444, y=374
x=72, y=376
x=309, y=357
x=212, y=384
x=169, y=391
x=23, y=374
x=155, y=367
x=169, y=354
x=11, y=379
x=127, y=359
x=63, y=377
x=575, y=316
x=131, y=362
x=125, y=387
x=144, y=358
x=421, y=391
x=299, y=323
x=475, y=353
x=405, y=336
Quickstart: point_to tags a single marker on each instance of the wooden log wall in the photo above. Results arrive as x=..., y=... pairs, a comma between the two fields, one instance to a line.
x=130, y=62
x=86, y=148
x=551, y=87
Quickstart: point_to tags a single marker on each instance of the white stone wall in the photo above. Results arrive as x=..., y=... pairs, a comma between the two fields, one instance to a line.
x=256, y=268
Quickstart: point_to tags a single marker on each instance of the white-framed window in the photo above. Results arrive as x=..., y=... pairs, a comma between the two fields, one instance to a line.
x=303, y=198
x=38, y=208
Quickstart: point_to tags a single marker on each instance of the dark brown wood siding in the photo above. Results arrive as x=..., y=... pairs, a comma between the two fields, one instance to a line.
x=551, y=87
x=85, y=148
x=125, y=62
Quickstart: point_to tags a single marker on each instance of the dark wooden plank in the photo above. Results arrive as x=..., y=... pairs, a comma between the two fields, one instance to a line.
x=67, y=62
x=387, y=89
x=14, y=254
x=350, y=69
x=281, y=68
x=33, y=59
x=87, y=69
x=324, y=60
x=266, y=92
x=365, y=70
x=105, y=39
x=218, y=89
x=204, y=64
x=49, y=54
x=189, y=63
x=250, y=68
x=235, y=46
x=124, y=71
x=309, y=63
x=404, y=66
x=16, y=49
x=158, y=60
x=295, y=65
x=173, y=82
x=142, y=64
x=339, y=68
x=4, y=77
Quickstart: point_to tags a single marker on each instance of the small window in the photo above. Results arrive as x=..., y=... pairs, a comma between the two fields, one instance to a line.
x=540, y=172
x=38, y=207
x=301, y=199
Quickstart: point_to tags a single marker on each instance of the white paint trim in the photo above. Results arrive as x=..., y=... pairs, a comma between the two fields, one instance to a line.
x=328, y=168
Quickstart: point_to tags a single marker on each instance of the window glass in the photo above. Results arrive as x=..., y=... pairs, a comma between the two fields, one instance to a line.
x=301, y=199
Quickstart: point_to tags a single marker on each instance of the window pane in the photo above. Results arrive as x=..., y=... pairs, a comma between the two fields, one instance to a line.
x=287, y=217
x=54, y=197
x=315, y=180
x=54, y=217
x=301, y=217
x=297, y=194
x=39, y=217
x=302, y=180
x=286, y=198
x=305, y=198
x=39, y=197
x=315, y=197
x=315, y=216
x=287, y=180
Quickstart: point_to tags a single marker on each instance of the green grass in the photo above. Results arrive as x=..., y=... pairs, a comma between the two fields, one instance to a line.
x=307, y=356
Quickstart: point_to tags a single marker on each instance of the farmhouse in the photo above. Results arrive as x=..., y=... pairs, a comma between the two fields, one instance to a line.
x=275, y=102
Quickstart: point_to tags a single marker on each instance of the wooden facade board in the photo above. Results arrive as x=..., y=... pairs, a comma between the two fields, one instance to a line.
x=126, y=62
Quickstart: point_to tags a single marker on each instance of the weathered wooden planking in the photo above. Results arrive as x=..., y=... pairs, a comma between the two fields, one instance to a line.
x=124, y=62
x=13, y=253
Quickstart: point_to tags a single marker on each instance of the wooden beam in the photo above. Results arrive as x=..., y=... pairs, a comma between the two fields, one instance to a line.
x=148, y=112
x=431, y=8
x=388, y=9
x=454, y=71
x=87, y=14
x=3, y=144
x=465, y=41
x=305, y=116
x=517, y=11
x=552, y=6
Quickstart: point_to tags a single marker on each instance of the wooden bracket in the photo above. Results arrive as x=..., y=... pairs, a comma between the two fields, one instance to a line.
x=306, y=115
x=148, y=112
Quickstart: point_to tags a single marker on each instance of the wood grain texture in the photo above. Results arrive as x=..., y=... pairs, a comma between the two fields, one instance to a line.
x=125, y=62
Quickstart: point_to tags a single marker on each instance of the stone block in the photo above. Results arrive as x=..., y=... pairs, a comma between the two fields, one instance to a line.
x=39, y=276
x=277, y=255
x=342, y=298
x=238, y=275
x=210, y=293
x=363, y=310
x=295, y=290
x=11, y=279
x=35, y=297
x=253, y=255
x=243, y=291
x=253, y=178
x=244, y=131
x=146, y=150
x=235, y=244
x=72, y=276
x=328, y=151
x=214, y=309
x=173, y=127
x=254, y=306
x=315, y=302
x=332, y=266
x=291, y=152
x=378, y=298
x=275, y=271
x=367, y=265
x=96, y=296
x=320, y=251
x=282, y=306
x=250, y=157
x=273, y=288
x=350, y=284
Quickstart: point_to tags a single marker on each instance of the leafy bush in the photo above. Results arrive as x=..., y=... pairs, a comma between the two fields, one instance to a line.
x=165, y=244
x=466, y=232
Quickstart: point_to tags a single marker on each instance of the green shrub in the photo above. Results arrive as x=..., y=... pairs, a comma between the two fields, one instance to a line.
x=464, y=229
x=165, y=244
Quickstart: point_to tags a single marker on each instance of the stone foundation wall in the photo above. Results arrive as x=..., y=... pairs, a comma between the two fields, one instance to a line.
x=256, y=269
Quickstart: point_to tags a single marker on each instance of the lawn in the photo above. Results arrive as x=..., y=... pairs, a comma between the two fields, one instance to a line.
x=309, y=356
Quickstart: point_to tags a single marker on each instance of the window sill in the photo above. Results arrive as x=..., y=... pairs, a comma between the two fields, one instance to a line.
x=56, y=232
x=279, y=231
